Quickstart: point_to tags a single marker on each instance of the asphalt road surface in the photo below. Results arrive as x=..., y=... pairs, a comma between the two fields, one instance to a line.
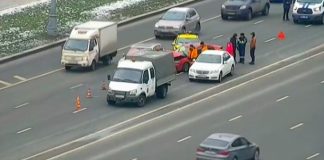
x=37, y=96
x=282, y=112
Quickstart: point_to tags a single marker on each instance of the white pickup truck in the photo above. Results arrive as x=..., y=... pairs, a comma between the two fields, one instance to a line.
x=141, y=76
x=89, y=43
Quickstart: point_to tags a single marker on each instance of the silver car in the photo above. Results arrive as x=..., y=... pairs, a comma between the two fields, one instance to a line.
x=177, y=20
x=227, y=146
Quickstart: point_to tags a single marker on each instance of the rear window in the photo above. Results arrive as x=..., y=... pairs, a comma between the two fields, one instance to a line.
x=215, y=142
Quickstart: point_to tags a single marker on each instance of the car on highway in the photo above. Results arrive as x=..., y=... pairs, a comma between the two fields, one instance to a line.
x=185, y=39
x=177, y=20
x=227, y=146
x=212, y=65
x=308, y=11
x=244, y=8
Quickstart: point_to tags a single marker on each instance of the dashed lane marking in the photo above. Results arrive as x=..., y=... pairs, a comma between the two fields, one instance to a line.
x=77, y=111
x=259, y=22
x=134, y=159
x=313, y=156
x=20, y=78
x=5, y=83
x=235, y=118
x=22, y=105
x=209, y=19
x=184, y=139
x=269, y=40
x=308, y=25
x=24, y=130
x=281, y=99
x=296, y=126
x=322, y=82
x=76, y=86
x=219, y=36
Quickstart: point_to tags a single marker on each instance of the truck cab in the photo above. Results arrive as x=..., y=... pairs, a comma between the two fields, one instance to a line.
x=308, y=10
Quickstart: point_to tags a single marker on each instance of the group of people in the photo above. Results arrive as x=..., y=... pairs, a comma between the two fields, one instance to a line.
x=240, y=45
x=195, y=51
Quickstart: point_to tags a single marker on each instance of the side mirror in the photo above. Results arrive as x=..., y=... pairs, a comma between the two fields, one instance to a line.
x=91, y=48
x=108, y=77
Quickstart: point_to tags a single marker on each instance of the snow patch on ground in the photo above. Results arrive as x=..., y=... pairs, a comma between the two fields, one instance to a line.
x=22, y=7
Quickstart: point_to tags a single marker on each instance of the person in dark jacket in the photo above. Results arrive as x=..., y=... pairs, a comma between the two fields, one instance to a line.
x=233, y=40
x=241, y=44
x=252, y=48
x=286, y=7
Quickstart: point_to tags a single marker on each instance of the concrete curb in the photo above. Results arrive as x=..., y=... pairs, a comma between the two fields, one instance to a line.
x=62, y=41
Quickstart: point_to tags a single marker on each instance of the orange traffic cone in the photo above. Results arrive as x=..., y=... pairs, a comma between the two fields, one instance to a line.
x=78, y=103
x=103, y=85
x=281, y=35
x=89, y=93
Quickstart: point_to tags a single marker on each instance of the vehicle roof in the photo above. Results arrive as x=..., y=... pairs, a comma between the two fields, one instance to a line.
x=94, y=24
x=180, y=9
x=145, y=45
x=229, y=137
x=214, y=52
x=140, y=65
x=188, y=36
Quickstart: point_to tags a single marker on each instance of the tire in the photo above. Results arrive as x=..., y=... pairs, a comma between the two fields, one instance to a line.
x=256, y=155
x=296, y=21
x=157, y=37
x=111, y=102
x=224, y=17
x=191, y=80
x=186, y=67
x=198, y=27
x=232, y=71
x=265, y=11
x=220, y=78
x=93, y=66
x=141, y=100
x=235, y=158
x=162, y=91
x=67, y=68
x=249, y=15
x=107, y=60
x=322, y=20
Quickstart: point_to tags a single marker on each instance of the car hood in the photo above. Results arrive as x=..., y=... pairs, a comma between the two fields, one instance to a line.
x=169, y=23
x=234, y=3
x=123, y=86
x=205, y=66
x=307, y=5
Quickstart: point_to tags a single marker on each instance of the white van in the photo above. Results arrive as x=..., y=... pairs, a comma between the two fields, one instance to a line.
x=308, y=10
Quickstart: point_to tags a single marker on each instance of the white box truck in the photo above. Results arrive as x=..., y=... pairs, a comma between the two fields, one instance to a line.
x=90, y=43
x=141, y=76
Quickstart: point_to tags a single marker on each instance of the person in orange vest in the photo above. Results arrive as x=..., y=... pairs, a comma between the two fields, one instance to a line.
x=203, y=46
x=193, y=52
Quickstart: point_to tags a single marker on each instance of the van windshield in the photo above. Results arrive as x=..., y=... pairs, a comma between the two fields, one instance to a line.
x=309, y=1
x=128, y=75
x=76, y=45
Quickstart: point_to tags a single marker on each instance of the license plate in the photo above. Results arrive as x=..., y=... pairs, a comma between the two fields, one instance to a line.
x=304, y=17
x=231, y=13
x=210, y=152
x=120, y=96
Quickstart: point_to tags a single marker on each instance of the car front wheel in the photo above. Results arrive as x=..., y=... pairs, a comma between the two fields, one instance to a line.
x=249, y=15
x=220, y=78
x=256, y=155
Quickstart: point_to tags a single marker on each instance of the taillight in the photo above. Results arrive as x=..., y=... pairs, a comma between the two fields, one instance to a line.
x=223, y=153
x=199, y=149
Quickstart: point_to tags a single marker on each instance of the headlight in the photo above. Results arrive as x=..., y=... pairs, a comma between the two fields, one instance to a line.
x=156, y=25
x=317, y=9
x=213, y=71
x=295, y=8
x=85, y=58
x=243, y=7
x=110, y=90
x=223, y=6
x=133, y=92
x=192, y=70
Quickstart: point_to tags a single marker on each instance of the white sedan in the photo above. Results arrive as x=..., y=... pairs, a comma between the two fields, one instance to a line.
x=212, y=65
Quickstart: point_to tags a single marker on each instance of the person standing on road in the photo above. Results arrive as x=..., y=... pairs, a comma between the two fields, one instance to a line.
x=233, y=40
x=286, y=7
x=193, y=52
x=241, y=44
x=252, y=48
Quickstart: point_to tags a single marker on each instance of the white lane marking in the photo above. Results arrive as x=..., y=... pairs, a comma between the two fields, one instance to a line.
x=20, y=78
x=322, y=82
x=259, y=22
x=219, y=36
x=269, y=40
x=280, y=99
x=76, y=86
x=5, y=83
x=134, y=159
x=296, y=126
x=209, y=19
x=184, y=139
x=136, y=43
x=77, y=111
x=313, y=156
x=179, y=73
x=235, y=118
x=179, y=109
x=24, y=130
x=308, y=25
x=22, y=105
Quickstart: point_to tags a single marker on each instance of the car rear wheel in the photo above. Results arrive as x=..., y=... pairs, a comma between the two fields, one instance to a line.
x=186, y=67
x=256, y=155
x=232, y=71
x=265, y=11
x=107, y=60
x=162, y=91
x=198, y=27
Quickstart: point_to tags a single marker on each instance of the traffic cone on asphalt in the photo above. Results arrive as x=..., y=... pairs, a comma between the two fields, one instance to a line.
x=78, y=103
x=89, y=93
x=103, y=85
x=281, y=35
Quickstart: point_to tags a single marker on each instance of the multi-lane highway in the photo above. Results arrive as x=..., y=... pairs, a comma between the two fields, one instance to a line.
x=281, y=111
x=37, y=95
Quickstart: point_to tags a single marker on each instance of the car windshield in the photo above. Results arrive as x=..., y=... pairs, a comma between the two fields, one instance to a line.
x=215, y=142
x=174, y=16
x=209, y=58
x=128, y=75
x=309, y=1
x=76, y=45
x=187, y=40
